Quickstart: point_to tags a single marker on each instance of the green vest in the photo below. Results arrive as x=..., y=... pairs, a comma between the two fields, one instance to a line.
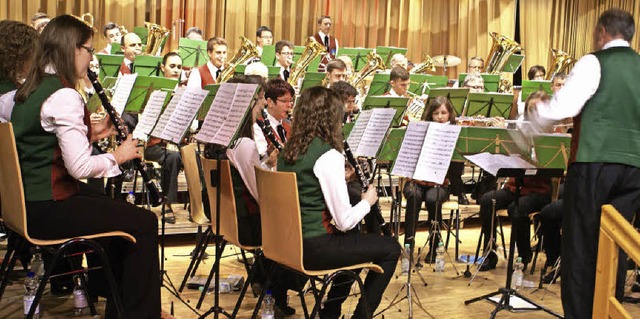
x=312, y=204
x=6, y=86
x=609, y=125
x=43, y=173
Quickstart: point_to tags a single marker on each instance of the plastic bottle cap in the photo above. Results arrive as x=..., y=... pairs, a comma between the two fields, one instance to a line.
x=440, y=244
x=31, y=274
x=519, y=259
x=269, y=292
x=130, y=192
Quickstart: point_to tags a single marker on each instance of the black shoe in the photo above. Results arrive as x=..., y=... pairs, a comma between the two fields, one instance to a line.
x=490, y=262
x=431, y=257
x=635, y=287
x=285, y=310
x=551, y=277
x=463, y=200
x=170, y=217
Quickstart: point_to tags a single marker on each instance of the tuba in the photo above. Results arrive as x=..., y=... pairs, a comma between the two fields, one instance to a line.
x=247, y=51
x=503, y=47
x=424, y=66
x=312, y=49
x=374, y=63
x=156, y=35
x=560, y=63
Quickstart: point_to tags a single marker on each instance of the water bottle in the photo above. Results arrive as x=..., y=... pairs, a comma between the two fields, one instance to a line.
x=267, y=306
x=80, y=302
x=30, y=287
x=131, y=198
x=518, y=274
x=37, y=266
x=404, y=263
x=440, y=257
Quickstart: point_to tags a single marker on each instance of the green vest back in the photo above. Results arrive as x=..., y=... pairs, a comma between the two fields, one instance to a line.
x=312, y=204
x=6, y=86
x=43, y=173
x=609, y=125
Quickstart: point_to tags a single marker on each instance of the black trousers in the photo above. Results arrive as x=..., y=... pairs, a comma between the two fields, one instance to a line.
x=521, y=225
x=550, y=226
x=344, y=249
x=588, y=187
x=171, y=163
x=135, y=266
x=415, y=194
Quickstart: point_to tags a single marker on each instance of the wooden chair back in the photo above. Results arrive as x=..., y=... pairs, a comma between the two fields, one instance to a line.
x=194, y=185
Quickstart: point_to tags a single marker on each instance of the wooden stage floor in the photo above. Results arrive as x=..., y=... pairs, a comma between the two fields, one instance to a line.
x=443, y=297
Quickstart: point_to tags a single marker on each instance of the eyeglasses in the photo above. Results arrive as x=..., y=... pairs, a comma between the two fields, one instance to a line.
x=90, y=50
x=286, y=53
x=285, y=101
x=267, y=37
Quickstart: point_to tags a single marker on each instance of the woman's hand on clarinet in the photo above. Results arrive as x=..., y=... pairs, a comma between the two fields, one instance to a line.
x=272, y=159
x=127, y=150
x=371, y=195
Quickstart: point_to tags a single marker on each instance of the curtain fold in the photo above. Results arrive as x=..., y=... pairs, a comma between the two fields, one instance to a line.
x=455, y=27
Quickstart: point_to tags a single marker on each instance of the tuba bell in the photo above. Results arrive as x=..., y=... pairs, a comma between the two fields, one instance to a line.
x=560, y=63
x=374, y=63
x=503, y=47
x=312, y=49
x=425, y=66
x=247, y=51
x=156, y=35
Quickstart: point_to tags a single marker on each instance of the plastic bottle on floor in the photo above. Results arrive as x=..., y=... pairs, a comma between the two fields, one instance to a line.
x=518, y=274
x=30, y=287
x=267, y=306
x=440, y=257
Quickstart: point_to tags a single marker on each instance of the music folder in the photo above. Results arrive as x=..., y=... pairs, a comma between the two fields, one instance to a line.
x=369, y=130
x=178, y=115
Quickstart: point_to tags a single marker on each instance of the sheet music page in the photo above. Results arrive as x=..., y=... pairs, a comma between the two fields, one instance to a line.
x=409, y=153
x=166, y=115
x=184, y=113
x=436, y=152
x=493, y=162
x=358, y=129
x=241, y=101
x=375, y=131
x=150, y=115
x=123, y=90
x=217, y=112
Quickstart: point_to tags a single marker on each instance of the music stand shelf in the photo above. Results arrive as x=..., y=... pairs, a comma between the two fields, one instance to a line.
x=398, y=103
x=489, y=104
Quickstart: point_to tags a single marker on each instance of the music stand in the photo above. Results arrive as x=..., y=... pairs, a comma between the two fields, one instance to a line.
x=148, y=65
x=143, y=87
x=312, y=79
x=489, y=104
x=458, y=97
x=398, y=103
x=268, y=56
x=507, y=292
x=116, y=48
x=513, y=63
x=273, y=71
x=380, y=84
x=109, y=65
x=387, y=52
x=552, y=150
x=423, y=83
x=491, y=81
x=529, y=87
x=204, y=108
x=357, y=55
x=193, y=52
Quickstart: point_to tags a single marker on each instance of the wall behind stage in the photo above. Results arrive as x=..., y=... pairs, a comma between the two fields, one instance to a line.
x=456, y=27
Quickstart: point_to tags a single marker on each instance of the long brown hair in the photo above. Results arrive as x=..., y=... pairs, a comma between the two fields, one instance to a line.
x=16, y=49
x=56, y=47
x=319, y=114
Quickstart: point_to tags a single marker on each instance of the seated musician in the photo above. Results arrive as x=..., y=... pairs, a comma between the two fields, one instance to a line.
x=474, y=65
x=156, y=149
x=535, y=193
x=400, y=60
x=348, y=95
x=264, y=36
x=349, y=63
x=336, y=71
x=399, y=81
x=279, y=95
x=208, y=73
x=112, y=33
x=257, y=68
x=284, y=58
x=536, y=73
x=39, y=20
x=415, y=192
x=131, y=48
x=474, y=82
x=314, y=153
x=194, y=33
x=557, y=83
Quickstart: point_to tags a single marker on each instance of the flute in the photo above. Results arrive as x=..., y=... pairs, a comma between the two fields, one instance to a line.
x=122, y=133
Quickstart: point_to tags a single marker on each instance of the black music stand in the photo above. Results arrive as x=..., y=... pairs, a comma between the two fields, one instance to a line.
x=506, y=292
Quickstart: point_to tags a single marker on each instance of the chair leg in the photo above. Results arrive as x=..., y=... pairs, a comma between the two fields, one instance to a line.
x=256, y=264
x=267, y=284
x=202, y=252
x=535, y=254
x=504, y=246
x=211, y=273
x=329, y=280
x=446, y=243
x=478, y=247
x=43, y=283
x=196, y=254
x=303, y=303
x=9, y=261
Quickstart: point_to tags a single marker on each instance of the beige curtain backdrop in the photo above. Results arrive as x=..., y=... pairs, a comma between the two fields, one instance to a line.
x=456, y=27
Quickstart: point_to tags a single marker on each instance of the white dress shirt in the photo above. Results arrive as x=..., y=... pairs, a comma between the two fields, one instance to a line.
x=128, y=63
x=329, y=169
x=244, y=157
x=581, y=85
x=195, y=80
x=322, y=35
x=260, y=139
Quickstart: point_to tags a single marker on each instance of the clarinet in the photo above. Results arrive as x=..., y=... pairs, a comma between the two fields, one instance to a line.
x=364, y=177
x=265, y=126
x=122, y=133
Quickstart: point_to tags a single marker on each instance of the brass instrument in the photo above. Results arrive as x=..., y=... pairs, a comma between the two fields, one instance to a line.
x=156, y=34
x=247, y=51
x=560, y=63
x=503, y=47
x=123, y=30
x=312, y=49
x=415, y=109
x=374, y=63
x=425, y=66
x=87, y=18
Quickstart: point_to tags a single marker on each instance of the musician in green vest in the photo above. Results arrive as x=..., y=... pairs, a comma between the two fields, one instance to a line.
x=602, y=94
x=16, y=49
x=314, y=153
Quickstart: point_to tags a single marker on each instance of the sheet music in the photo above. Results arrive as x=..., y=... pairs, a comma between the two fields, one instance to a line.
x=150, y=115
x=217, y=112
x=493, y=162
x=375, y=131
x=436, y=152
x=123, y=90
x=184, y=113
x=241, y=101
x=358, y=129
x=409, y=153
x=166, y=115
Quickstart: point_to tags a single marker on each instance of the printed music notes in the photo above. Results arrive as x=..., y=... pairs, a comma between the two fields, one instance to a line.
x=229, y=107
x=493, y=162
x=369, y=130
x=183, y=114
x=426, y=151
x=150, y=115
x=123, y=90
